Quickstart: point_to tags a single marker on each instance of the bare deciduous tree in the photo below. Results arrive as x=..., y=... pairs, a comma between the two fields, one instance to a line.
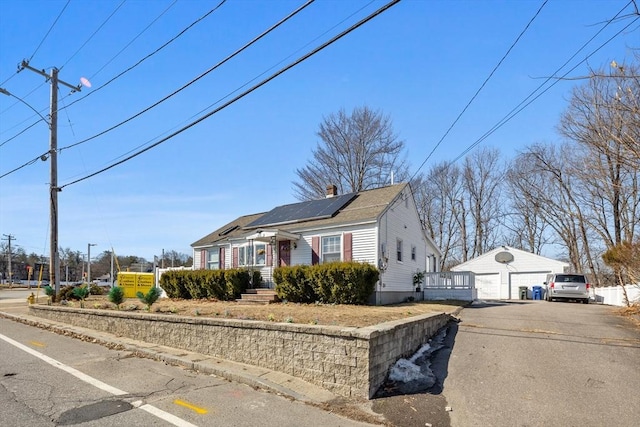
x=603, y=118
x=483, y=178
x=439, y=199
x=358, y=151
x=525, y=221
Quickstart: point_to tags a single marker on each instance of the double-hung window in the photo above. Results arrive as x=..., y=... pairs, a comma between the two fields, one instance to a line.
x=213, y=261
x=331, y=248
x=399, y=250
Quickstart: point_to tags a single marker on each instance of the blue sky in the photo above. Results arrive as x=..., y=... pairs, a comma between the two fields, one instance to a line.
x=420, y=62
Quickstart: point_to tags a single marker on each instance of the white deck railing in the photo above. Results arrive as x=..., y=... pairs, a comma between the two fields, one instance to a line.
x=450, y=280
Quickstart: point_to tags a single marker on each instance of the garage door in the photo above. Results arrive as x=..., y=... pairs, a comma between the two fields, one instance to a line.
x=527, y=279
x=488, y=286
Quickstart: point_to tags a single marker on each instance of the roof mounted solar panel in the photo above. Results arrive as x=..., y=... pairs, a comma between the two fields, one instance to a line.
x=303, y=211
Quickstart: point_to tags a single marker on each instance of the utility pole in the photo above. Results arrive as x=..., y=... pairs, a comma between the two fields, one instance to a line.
x=54, y=260
x=89, y=263
x=9, y=237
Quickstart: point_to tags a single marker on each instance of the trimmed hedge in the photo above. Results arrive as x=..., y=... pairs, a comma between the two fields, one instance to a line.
x=217, y=284
x=332, y=283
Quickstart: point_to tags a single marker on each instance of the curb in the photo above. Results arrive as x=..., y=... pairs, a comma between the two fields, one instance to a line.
x=250, y=375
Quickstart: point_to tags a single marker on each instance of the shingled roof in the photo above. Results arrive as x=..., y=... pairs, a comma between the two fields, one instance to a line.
x=366, y=205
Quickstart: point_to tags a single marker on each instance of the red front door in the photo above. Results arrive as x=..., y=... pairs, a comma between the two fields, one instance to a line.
x=284, y=253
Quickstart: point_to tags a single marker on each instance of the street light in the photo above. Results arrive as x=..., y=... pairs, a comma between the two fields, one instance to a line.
x=89, y=263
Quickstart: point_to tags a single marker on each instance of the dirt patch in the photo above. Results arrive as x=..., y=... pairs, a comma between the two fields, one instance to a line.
x=313, y=314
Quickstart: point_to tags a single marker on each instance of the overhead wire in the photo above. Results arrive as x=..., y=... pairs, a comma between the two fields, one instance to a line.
x=217, y=65
x=513, y=112
x=49, y=31
x=222, y=98
x=93, y=34
x=133, y=40
x=245, y=93
x=120, y=74
x=174, y=38
x=475, y=95
x=516, y=110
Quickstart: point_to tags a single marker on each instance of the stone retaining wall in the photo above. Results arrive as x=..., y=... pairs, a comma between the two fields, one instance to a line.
x=350, y=362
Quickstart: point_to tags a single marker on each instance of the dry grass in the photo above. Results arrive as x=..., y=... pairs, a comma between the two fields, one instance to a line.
x=632, y=312
x=315, y=314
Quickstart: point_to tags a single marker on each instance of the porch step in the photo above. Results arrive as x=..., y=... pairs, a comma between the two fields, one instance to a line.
x=258, y=296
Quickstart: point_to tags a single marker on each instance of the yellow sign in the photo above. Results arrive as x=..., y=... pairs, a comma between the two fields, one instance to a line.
x=133, y=283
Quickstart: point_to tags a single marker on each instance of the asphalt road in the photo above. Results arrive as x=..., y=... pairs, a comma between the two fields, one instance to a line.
x=85, y=384
x=530, y=363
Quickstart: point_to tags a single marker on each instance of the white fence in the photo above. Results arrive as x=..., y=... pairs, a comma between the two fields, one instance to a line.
x=613, y=295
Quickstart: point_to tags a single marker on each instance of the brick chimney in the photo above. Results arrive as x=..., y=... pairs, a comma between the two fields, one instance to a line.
x=332, y=190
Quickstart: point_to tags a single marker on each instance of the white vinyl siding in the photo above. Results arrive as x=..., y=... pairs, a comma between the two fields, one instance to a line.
x=526, y=269
x=401, y=222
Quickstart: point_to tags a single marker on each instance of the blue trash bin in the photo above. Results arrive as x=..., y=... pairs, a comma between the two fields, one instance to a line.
x=537, y=292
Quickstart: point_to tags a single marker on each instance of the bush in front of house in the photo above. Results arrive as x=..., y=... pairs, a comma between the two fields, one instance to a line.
x=218, y=284
x=294, y=284
x=332, y=283
x=174, y=284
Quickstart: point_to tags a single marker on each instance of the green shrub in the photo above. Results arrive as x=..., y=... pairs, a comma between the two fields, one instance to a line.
x=173, y=284
x=332, y=283
x=116, y=296
x=66, y=293
x=50, y=292
x=96, y=290
x=150, y=297
x=81, y=292
x=294, y=284
x=237, y=281
x=196, y=284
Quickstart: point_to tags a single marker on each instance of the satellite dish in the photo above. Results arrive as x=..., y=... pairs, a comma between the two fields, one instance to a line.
x=85, y=82
x=504, y=257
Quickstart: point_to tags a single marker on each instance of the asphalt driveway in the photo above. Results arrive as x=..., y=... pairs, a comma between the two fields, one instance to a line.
x=529, y=363
x=539, y=363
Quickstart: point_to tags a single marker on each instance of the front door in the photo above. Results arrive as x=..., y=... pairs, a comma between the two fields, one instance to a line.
x=284, y=253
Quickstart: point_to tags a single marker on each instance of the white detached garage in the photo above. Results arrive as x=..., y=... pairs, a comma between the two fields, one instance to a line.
x=500, y=272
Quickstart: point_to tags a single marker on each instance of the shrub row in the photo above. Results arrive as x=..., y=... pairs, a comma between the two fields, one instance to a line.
x=218, y=284
x=332, y=283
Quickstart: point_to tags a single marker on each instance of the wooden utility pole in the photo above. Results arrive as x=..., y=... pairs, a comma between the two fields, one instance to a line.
x=54, y=260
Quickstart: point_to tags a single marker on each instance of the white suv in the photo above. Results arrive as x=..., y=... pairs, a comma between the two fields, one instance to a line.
x=567, y=286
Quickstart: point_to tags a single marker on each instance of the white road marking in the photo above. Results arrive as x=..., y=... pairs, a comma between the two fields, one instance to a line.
x=170, y=418
x=84, y=377
x=179, y=422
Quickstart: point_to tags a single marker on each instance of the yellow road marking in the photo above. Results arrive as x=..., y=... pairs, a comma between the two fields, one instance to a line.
x=195, y=408
x=37, y=344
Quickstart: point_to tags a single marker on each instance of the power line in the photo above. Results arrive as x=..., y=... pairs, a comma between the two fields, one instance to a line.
x=135, y=38
x=516, y=110
x=122, y=73
x=480, y=88
x=174, y=38
x=523, y=104
x=245, y=93
x=50, y=28
x=93, y=34
x=228, y=58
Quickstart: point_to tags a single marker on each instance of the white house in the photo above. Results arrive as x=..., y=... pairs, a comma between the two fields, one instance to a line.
x=500, y=272
x=379, y=226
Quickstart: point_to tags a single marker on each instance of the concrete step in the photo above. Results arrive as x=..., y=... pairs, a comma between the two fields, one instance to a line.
x=258, y=296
